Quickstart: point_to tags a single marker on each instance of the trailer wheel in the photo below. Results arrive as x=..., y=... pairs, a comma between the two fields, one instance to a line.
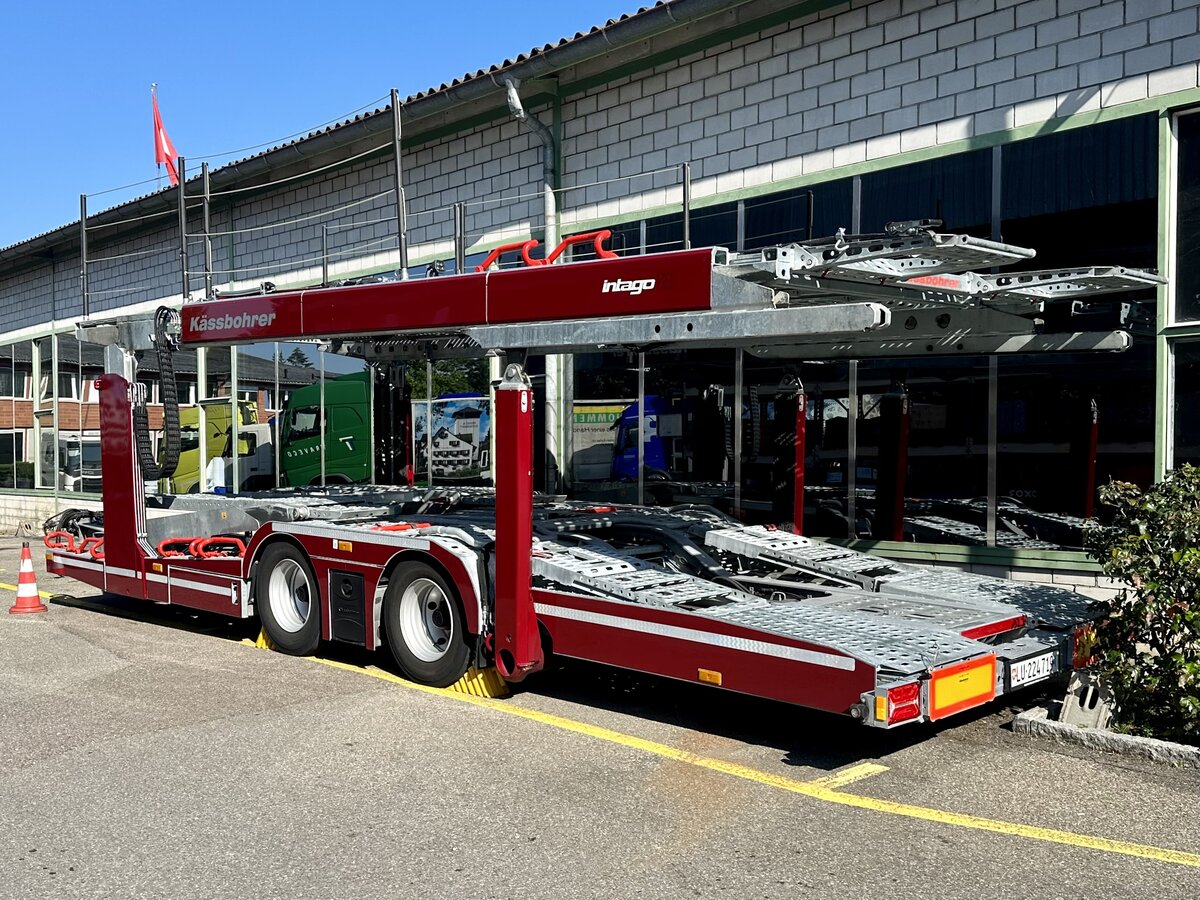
x=288, y=603
x=425, y=626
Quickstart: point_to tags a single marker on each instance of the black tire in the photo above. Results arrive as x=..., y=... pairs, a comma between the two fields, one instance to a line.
x=291, y=616
x=424, y=625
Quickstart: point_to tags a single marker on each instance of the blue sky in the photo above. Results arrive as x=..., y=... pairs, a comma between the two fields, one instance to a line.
x=76, y=80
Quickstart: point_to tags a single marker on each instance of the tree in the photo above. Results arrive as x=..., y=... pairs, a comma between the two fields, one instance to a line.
x=298, y=358
x=450, y=376
x=1148, y=639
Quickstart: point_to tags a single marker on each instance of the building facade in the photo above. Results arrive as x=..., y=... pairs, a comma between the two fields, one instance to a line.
x=1062, y=125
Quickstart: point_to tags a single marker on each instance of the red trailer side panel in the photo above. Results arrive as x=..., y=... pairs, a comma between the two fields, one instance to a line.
x=632, y=285
x=689, y=647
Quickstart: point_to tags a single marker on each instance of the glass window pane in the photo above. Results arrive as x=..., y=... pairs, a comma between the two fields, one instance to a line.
x=1068, y=423
x=956, y=189
x=782, y=218
x=944, y=469
x=1187, y=270
x=1186, y=439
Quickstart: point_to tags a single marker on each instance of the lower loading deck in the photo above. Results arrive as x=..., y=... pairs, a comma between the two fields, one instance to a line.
x=787, y=618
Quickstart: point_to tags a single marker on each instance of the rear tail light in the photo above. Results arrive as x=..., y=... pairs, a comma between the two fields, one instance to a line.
x=902, y=704
x=994, y=628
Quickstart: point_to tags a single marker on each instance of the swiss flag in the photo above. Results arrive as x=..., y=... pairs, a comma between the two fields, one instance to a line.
x=164, y=150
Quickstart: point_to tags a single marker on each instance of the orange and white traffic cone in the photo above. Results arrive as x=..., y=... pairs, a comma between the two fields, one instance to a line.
x=28, y=598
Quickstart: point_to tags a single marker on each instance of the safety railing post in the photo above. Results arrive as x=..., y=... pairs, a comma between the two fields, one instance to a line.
x=83, y=254
x=183, y=249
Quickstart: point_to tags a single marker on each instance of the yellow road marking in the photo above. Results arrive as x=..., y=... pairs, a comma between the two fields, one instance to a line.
x=12, y=587
x=813, y=789
x=850, y=775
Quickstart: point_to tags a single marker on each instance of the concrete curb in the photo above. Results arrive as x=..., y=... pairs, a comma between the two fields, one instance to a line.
x=1036, y=722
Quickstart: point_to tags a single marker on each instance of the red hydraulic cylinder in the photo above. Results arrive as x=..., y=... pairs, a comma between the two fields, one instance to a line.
x=518, y=644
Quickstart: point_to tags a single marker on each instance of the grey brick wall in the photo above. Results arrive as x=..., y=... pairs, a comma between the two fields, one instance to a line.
x=859, y=82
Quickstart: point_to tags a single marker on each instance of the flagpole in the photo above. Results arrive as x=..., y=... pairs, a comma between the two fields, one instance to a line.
x=157, y=164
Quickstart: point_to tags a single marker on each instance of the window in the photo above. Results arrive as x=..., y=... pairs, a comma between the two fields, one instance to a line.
x=956, y=189
x=304, y=422
x=1186, y=411
x=12, y=381
x=1187, y=234
x=67, y=382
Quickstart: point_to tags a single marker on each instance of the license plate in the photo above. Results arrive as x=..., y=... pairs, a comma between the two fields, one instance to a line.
x=1027, y=671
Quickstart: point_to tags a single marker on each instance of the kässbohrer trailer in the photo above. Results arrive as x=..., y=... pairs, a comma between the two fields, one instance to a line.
x=451, y=578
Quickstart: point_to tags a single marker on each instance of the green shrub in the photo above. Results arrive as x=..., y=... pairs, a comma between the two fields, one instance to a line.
x=1148, y=641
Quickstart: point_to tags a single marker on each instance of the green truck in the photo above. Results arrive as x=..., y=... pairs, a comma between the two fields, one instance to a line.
x=348, y=445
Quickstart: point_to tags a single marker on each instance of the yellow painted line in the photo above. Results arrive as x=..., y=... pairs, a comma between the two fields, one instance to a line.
x=12, y=587
x=814, y=790
x=850, y=775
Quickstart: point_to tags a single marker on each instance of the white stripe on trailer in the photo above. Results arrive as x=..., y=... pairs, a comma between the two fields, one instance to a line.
x=695, y=635
x=82, y=563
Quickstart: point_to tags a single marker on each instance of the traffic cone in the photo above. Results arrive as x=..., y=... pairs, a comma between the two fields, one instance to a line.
x=28, y=598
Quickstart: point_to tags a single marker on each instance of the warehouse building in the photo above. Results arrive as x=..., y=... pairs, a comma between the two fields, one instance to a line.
x=1061, y=125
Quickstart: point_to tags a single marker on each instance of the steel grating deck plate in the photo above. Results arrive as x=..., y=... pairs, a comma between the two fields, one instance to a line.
x=890, y=644
x=1052, y=606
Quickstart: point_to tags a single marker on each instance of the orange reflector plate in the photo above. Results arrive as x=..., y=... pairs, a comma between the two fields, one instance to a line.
x=962, y=686
x=709, y=676
x=344, y=546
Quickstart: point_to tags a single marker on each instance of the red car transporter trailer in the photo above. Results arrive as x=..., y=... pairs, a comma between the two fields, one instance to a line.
x=460, y=577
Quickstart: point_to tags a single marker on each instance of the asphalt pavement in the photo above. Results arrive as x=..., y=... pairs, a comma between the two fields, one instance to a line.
x=153, y=752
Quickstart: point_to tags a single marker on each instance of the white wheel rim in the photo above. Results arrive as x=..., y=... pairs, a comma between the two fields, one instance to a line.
x=426, y=623
x=289, y=595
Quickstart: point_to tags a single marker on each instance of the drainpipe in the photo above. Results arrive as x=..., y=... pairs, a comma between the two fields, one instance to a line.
x=560, y=367
x=549, y=158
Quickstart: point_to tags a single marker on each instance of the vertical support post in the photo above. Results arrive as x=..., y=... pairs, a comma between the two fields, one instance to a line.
x=235, y=417
x=856, y=204
x=183, y=248
x=54, y=416
x=799, y=453
x=642, y=237
x=997, y=192
x=992, y=438
x=808, y=224
x=277, y=437
x=124, y=491
x=83, y=255
x=208, y=259
x=740, y=240
x=641, y=441
x=429, y=422
x=1083, y=448
x=35, y=389
x=893, y=466
x=460, y=238
x=372, y=433
x=685, y=170
x=518, y=644
x=738, y=388
x=494, y=364
x=202, y=414
x=324, y=256
x=324, y=431
x=401, y=216
x=852, y=451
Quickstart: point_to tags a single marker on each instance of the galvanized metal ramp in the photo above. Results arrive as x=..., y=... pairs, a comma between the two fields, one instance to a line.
x=1052, y=606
